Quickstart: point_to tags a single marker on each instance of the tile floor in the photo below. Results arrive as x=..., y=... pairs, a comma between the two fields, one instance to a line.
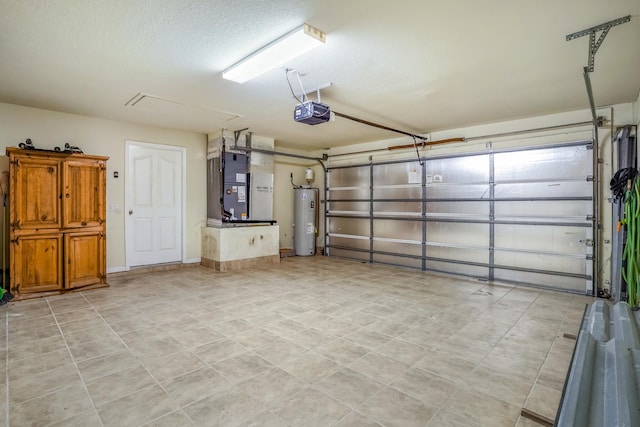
x=310, y=342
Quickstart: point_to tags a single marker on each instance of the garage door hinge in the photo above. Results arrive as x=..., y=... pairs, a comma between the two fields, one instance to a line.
x=587, y=242
x=589, y=177
x=590, y=257
x=589, y=217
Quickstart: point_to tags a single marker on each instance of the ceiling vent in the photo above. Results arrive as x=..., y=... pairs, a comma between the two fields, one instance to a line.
x=180, y=115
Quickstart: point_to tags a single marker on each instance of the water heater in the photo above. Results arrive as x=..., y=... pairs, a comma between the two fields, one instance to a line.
x=304, y=216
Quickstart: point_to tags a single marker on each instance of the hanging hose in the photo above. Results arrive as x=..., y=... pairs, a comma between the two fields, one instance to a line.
x=631, y=254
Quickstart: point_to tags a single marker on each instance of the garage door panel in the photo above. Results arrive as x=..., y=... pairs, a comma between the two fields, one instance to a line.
x=544, y=280
x=540, y=235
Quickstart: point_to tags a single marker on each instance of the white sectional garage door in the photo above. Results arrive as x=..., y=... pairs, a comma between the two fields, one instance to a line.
x=520, y=215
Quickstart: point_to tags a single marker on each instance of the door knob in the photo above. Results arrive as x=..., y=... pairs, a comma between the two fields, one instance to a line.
x=130, y=212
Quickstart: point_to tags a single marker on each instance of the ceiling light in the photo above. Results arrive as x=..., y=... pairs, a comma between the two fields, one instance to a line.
x=279, y=51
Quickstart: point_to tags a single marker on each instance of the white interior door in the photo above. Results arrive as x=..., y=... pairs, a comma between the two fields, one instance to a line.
x=153, y=211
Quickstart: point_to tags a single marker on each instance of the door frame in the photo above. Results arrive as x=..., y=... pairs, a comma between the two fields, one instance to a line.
x=183, y=190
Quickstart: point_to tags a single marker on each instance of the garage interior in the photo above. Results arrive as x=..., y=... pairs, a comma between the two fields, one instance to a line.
x=427, y=219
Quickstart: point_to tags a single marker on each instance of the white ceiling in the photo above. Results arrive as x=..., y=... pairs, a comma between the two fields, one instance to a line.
x=419, y=66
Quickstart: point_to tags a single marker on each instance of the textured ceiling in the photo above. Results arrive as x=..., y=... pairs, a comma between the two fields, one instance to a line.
x=419, y=66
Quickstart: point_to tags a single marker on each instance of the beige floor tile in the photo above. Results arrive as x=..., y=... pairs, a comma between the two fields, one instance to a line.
x=89, y=418
x=30, y=386
x=504, y=362
x=312, y=338
x=358, y=318
x=342, y=351
x=173, y=365
x=51, y=408
x=82, y=324
x=393, y=408
x=445, y=365
x=427, y=338
x=174, y=419
x=280, y=351
x=272, y=387
x=195, y=385
x=254, y=338
x=85, y=314
x=354, y=419
x=447, y=419
x=97, y=347
x=402, y=351
x=388, y=327
x=146, y=350
x=543, y=400
x=424, y=386
x=108, y=364
x=218, y=350
x=381, y=368
x=367, y=338
x=412, y=340
x=137, y=408
x=230, y=407
x=85, y=335
x=310, y=367
x=18, y=323
x=28, y=335
x=508, y=388
x=67, y=303
x=120, y=384
x=554, y=371
x=35, y=347
x=349, y=386
x=192, y=338
x=312, y=408
x=264, y=419
x=526, y=422
x=241, y=367
x=36, y=364
x=336, y=327
x=482, y=408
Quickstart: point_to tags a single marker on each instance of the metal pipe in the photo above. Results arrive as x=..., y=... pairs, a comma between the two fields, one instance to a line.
x=475, y=138
x=376, y=125
x=520, y=132
x=279, y=153
x=596, y=185
x=425, y=143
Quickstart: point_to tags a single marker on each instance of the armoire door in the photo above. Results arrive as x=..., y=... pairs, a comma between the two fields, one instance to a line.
x=84, y=193
x=36, y=263
x=84, y=259
x=35, y=194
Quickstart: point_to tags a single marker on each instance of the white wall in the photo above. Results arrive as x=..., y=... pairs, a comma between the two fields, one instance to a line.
x=283, y=192
x=48, y=129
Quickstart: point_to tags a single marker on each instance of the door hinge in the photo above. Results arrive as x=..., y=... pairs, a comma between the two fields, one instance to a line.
x=587, y=242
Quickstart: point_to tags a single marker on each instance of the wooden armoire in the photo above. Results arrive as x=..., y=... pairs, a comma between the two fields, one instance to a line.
x=57, y=213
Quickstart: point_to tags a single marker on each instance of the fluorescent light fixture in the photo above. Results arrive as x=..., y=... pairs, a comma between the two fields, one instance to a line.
x=279, y=51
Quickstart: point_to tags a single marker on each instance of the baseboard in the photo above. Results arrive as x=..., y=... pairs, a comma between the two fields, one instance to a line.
x=116, y=269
